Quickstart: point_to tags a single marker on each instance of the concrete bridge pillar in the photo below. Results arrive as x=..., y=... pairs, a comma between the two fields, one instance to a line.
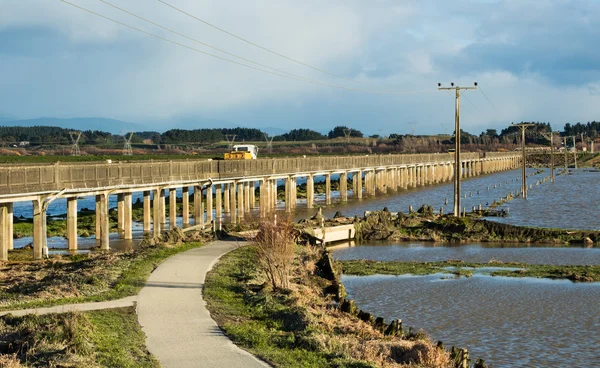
x=252, y=197
x=274, y=193
x=310, y=191
x=247, y=196
x=147, y=211
x=294, y=193
x=209, y=204
x=226, y=203
x=10, y=236
x=120, y=214
x=359, y=184
x=4, y=231
x=288, y=194
x=163, y=208
x=219, y=202
x=198, y=207
x=156, y=220
x=344, y=186
x=262, y=197
x=104, y=222
x=185, y=201
x=370, y=182
x=39, y=234
x=392, y=176
x=127, y=216
x=328, y=189
x=240, y=198
x=172, y=208
x=98, y=217
x=405, y=178
x=72, y=223
x=232, y=203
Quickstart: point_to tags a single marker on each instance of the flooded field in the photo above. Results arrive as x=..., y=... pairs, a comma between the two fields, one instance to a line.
x=510, y=322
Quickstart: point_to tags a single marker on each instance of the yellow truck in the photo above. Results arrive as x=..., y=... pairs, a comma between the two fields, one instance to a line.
x=242, y=152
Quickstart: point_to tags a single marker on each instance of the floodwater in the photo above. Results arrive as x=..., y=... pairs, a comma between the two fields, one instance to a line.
x=509, y=322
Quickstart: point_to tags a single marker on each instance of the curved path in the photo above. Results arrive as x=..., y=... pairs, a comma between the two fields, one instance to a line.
x=172, y=312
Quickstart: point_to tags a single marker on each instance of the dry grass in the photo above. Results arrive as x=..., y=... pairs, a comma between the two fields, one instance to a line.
x=275, y=249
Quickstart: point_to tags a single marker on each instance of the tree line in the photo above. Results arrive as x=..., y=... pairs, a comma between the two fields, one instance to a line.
x=48, y=135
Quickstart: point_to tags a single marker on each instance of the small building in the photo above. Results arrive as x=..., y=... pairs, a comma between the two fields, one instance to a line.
x=23, y=143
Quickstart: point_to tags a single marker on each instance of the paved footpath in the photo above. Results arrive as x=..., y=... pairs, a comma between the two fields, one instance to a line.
x=179, y=330
x=170, y=308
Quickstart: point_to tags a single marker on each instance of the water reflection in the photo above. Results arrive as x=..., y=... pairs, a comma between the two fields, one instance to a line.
x=510, y=322
x=474, y=252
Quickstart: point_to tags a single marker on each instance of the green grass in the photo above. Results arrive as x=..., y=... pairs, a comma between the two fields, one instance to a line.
x=573, y=273
x=265, y=323
x=105, y=338
x=93, y=280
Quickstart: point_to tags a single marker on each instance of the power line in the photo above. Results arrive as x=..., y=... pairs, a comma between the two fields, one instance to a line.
x=238, y=63
x=486, y=97
x=259, y=46
x=471, y=102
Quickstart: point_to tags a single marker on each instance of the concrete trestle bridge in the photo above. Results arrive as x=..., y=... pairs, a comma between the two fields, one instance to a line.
x=232, y=189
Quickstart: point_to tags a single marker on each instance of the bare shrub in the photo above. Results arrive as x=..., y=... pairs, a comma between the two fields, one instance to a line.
x=275, y=245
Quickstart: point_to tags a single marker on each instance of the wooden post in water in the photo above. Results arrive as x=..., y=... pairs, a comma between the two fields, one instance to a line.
x=566, y=157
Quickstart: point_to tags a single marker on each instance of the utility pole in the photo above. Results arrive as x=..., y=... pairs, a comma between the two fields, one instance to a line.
x=551, y=154
x=523, y=126
x=566, y=157
x=457, y=163
x=574, y=151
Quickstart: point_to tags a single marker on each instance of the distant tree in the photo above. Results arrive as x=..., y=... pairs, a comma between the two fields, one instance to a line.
x=374, y=136
x=302, y=135
x=338, y=131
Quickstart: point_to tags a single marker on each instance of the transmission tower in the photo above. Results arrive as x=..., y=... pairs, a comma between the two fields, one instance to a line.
x=269, y=143
x=347, y=133
x=412, y=127
x=75, y=143
x=127, y=150
x=230, y=139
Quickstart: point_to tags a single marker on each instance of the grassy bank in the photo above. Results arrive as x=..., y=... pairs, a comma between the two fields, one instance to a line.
x=427, y=226
x=106, y=338
x=96, y=276
x=298, y=326
x=573, y=273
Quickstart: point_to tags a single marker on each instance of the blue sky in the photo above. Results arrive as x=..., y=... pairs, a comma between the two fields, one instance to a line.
x=535, y=60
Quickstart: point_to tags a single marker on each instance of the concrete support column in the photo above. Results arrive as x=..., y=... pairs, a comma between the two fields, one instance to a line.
x=310, y=191
x=104, y=226
x=288, y=194
x=294, y=193
x=4, y=231
x=172, y=208
x=120, y=214
x=147, y=211
x=198, y=207
x=185, y=201
x=10, y=235
x=39, y=234
x=240, y=203
x=274, y=193
x=226, y=202
x=359, y=184
x=263, y=197
x=328, y=188
x=247, y=197
x=127, y=216
x=344, y=186
x=252, y=195
x=72, y=223
x=233, y=214
x=209, y=204
x=219, y=202
x=163, y=209
x=156, y=221
x=98, y=217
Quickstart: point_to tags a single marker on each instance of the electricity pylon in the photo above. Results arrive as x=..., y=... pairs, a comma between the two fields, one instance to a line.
x=75, y=143
x=457, y=163
x=127, y=149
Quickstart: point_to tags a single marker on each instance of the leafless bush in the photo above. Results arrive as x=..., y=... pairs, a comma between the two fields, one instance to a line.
x=275, y=244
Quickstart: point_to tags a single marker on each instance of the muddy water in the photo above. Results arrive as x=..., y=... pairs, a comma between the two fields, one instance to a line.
x=510, y=322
